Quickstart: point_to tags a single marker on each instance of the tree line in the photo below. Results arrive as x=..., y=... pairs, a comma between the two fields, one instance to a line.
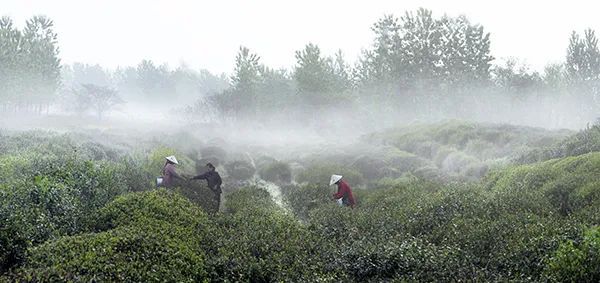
x=29, y=64
x=420, y=64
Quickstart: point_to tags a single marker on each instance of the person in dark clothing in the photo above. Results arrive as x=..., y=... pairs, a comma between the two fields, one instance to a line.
x=214, y=182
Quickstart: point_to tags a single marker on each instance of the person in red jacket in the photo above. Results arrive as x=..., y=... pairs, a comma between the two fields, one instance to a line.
x=344, y=192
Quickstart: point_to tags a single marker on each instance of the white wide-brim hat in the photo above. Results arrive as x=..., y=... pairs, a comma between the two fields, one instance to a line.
x=172, y=159
x=334, y=179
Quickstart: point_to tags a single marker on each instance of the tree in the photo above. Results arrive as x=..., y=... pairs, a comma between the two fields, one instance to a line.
x=377, y=66
x=312, y=70
x=276, y=91
x=10, y=55
x=247, y=71
x=555, y=77
x=42, y=61
x=91, y=74
x=29, y=63
x=583, y=70
x=240, y=100
x=583, y=57
x=98, y=99
x=340, y=73
x=465, y=56
x=155, y=81
x=420, y=52
x=420, y=49
x=516, y=80
x=321, y=81
x=315, y=73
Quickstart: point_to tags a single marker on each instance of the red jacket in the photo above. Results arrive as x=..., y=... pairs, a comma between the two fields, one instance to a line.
x=345, y=193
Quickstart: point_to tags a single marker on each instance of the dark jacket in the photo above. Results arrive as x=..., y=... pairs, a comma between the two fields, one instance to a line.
x=213, y=178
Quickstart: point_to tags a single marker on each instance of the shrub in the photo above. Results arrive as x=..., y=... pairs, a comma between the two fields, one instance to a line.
x=368, y=166
x=304, y=198
x=404, y=161
x=50, y=197
x=213, y=152
x=240, y=170
x=150, y=236
x=576, y=262
x=561, y=185
x=276, y=172
x=156, y=205
x=259, y=242
x=320, y=174
x=583, y=142
x=154, y=252
x=248, y=197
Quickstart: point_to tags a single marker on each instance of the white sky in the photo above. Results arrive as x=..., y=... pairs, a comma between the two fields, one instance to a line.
x=207, y=34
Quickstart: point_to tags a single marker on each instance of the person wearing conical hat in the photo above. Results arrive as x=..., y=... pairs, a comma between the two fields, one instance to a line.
x=169, y=173
x=344, y=193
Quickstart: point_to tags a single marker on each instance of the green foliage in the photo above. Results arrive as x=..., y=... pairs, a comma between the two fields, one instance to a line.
x=159, y=205
x=198, y=192
x=321, y=173
x=240, y=170
x=152, y=236
x=585, y=141
x=45, y=197
x=260, y=242
x=155, y=252
x=277, y=172
x=583, y=57
x=562, y=185
x=302, y=199
x=248, y=198
x=246, y=71
x=66, y=214
x=513, y=79
x=461, y=150
x=317, y=74
x=146, y=83
x=576, y=262
x=418, y=51
x=29, y=63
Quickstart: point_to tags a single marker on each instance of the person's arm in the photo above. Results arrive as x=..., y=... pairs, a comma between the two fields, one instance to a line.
x=174, y=173
x=201, y=176
x=340, y=193
x=219, y=181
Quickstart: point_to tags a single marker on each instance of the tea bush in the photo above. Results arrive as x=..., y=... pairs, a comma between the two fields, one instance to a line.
x=151, y=236
x=576, y=261
x=320, y=174
x=259, y=242
x=240, y=170
x=45, y=197
x=66, y=213
x=302, y=199
x=585, y=141
x=277, y=172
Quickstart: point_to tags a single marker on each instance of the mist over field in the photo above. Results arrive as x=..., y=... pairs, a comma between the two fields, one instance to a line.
x=464, y=166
